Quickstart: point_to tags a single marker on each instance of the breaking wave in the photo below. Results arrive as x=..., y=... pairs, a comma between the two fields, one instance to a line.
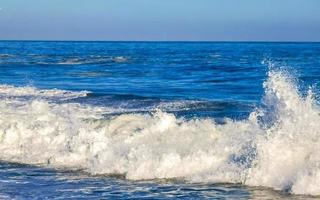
x=63, y=60
x=28, y=91
x=277, y=146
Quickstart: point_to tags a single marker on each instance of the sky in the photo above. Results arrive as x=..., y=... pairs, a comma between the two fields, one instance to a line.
x=160, y=20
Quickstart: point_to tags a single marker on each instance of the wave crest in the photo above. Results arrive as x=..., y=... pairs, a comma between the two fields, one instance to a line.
x=28, y=91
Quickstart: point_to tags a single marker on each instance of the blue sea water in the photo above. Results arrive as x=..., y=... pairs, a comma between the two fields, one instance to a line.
x=138, y=99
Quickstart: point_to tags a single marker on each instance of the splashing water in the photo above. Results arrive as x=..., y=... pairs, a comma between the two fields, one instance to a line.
x=275, y=147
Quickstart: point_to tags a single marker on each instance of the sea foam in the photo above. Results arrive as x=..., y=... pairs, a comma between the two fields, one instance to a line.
x=277, y=146
x=12, y=91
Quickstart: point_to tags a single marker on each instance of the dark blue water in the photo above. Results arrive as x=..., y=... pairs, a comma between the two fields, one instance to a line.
x=190, y=80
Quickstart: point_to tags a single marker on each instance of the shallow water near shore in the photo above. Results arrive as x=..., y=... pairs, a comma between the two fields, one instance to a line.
x=23, y=181
x=159, y=120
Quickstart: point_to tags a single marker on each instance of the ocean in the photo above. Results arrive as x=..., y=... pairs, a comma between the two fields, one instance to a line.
x=159, y=120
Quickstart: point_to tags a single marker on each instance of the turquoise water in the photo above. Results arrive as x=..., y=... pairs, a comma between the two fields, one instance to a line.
x=159, y=120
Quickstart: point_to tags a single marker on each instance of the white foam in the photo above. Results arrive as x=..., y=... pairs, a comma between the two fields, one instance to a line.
x=93, y=59
x=12, y=91
x=284, y=154
x=120, y=59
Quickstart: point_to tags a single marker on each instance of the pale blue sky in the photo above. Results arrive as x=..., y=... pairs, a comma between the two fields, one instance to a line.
x=214, y=20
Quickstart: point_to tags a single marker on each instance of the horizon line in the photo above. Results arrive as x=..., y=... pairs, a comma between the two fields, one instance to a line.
x=168, y=41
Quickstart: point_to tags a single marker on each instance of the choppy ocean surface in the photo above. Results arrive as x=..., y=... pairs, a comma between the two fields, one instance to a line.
x=156, y=120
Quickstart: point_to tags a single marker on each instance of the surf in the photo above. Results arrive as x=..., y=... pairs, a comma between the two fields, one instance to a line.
x=277, y=146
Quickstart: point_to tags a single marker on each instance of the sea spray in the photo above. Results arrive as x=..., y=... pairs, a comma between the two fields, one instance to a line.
x=288, y=152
